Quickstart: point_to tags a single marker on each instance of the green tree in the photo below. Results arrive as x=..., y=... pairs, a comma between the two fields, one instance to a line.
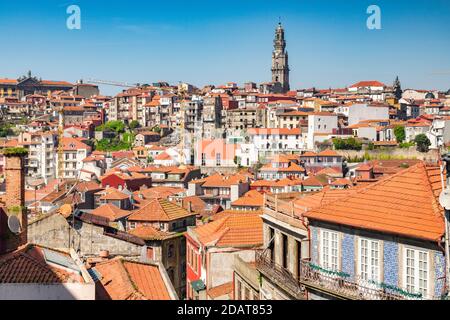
x=156, y=129
x=5, y=130
x=134, y=124
x=399, y=132
x=422, y=142
x=347, y=144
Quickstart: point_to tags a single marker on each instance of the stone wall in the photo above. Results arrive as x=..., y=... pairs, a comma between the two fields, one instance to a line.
x=87, y=239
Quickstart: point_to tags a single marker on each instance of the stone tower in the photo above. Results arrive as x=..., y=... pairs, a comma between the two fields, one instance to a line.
x=280, y=63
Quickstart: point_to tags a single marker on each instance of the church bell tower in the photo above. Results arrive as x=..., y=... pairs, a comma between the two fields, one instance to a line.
x=280, y=61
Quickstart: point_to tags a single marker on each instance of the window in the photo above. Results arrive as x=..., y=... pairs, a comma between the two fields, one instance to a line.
x=416, y=274
x=218, y=159
x=203, y=159
x=329, y=250
x=369, y=259
x=132, y=225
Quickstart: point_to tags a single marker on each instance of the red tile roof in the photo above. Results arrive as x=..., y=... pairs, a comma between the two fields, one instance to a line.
x=403, y=204
x=158, y=192
x=28, y=265
x=72, y=144
x=328, y=153
x=221, y=290
x=251, y=199
x=149, y=233
x=111, y=212
x=232, y=231
x=159, y=210
x=219, y=180
x=113, y=194
x=313, y=181
x=127, y=280
x=368, y=84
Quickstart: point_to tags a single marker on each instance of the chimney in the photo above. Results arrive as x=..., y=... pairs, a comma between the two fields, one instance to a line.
x=14, y=202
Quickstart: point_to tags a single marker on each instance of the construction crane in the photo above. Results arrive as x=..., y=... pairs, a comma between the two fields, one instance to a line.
x=113, y=83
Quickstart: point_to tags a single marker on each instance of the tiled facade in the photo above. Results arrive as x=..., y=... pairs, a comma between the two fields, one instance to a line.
x=390, y=262
x=348, y=254
x=439, y=272
x=392, y=268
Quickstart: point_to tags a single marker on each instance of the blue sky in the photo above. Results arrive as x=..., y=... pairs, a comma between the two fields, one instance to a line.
x=206, y=41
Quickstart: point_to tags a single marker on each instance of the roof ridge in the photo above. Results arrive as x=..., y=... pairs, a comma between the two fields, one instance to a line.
x=129, y=279
x=434, y=203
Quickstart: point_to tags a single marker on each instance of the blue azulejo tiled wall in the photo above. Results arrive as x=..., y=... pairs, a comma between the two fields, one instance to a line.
x=348, y=254
x=439, y=271
x=390, y=263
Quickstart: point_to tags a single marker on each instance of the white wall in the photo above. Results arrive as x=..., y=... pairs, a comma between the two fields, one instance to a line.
x=361, y=112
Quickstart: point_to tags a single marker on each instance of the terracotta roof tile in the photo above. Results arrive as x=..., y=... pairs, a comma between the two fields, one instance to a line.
x=113, y=194
x=221, y=290
x=127, y=280
x=159, y=210
x=111, y=212
x=251, y=199
x=403, y=204
x=28, y=265
x=149, y=233
x=232, y=231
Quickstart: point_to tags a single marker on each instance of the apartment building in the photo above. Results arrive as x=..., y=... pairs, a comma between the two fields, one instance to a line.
x=74, y=152
x=42, y=147
x=269, y=142
x=219, y=189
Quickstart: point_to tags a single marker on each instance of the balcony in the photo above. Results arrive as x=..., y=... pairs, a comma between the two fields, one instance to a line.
x=343, y=286
x=280, y=276
x=337, y=285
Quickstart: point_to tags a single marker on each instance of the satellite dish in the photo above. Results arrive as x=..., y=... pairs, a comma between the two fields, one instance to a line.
x=14, y=224
x=444, y=199
x=66, y=210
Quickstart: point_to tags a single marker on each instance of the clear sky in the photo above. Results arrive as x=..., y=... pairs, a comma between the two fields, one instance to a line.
x=209, y=41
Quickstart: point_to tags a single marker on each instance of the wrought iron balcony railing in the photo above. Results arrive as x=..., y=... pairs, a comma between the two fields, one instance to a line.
x=346, y=286
x=280, y=275
x=336, y=284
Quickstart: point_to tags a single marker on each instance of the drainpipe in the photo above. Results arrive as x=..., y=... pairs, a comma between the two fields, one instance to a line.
x=446, y=160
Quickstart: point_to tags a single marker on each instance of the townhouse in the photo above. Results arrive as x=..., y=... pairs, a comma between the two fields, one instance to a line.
x=363, y=249
x=74, y=152
x=269, y=142
x=161, y=224
x=210, y=251
x=219, y=189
